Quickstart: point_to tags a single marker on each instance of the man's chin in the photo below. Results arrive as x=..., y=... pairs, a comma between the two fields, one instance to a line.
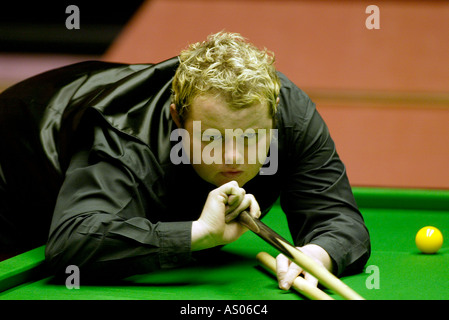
x=221, y=181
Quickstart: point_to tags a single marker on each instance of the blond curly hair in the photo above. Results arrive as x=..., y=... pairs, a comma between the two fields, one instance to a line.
x=229, y=67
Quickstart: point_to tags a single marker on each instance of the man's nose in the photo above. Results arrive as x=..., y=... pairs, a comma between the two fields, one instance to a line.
x=233, y=152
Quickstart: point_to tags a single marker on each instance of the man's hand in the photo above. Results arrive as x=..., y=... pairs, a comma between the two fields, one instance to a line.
x=287, y=271
x=216, y=225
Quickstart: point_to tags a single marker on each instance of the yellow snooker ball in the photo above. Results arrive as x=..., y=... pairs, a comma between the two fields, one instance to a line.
x=429, y=239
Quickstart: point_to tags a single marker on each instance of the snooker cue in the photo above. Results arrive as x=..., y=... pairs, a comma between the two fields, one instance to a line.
x=300, y=284
x=302, y=260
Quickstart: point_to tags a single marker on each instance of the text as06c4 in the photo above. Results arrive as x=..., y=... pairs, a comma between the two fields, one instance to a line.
x=245, y=309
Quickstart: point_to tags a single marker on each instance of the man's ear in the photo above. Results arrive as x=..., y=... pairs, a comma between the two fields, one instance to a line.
x=175, y=116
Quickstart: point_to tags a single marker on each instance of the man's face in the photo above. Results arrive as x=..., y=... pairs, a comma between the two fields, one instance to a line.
x=227, y=144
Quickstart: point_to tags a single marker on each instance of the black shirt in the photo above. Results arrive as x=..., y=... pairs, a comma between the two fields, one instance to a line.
x=88, y=147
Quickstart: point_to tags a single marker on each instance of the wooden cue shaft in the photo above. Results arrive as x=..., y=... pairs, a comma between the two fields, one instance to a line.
x=305, y=262
x=301, y=285
x=322, y=274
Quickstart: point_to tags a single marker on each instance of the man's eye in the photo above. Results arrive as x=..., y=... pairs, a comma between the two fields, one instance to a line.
x=212, y=137
x=250, y=135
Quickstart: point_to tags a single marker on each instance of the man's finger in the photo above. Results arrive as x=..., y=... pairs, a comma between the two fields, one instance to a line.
x=293, y=272
x=312, y=280
x=282, y=264
x=243, y=205
x=254, y=209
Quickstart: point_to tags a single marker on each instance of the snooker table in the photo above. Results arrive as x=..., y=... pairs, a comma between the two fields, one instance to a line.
x=396, y=269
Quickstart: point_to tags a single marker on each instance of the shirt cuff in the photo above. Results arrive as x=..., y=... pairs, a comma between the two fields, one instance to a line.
x=175, y=243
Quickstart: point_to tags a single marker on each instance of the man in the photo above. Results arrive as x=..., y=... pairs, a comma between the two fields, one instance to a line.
x=138, y=166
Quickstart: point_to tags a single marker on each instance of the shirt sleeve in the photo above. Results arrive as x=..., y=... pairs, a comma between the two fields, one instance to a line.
x=318, y=199
x=101, y=221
